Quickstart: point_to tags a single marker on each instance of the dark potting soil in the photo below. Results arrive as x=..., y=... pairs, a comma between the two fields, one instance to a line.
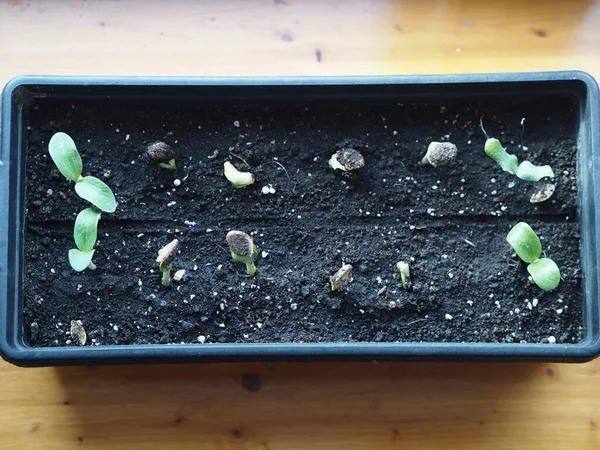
x=307, y=220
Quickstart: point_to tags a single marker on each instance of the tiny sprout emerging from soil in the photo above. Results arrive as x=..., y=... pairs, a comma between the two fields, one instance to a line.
x=347, y=159
x=341, y=278
x=527, y=245
x=440, y=154
x=404, y=269
x=78, y=333
x=64, y=153
x=166, y=256
x=238, y=179
x=161, y=154
x=509, y=163
x=242, y=249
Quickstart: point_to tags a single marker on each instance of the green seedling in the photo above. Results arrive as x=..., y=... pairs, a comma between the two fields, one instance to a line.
x=346, y=159
x=166, y=256
x=68, y=161
x=341, y=278
x=440, y=154
x=242, y=249
x=404, y=269
x=162, y=154
x=527, y=245
x=509, y=163
x=85, y=234
x=64, y=153
x=238, y=179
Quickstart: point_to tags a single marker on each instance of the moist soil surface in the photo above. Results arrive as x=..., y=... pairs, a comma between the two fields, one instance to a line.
x=449, y=224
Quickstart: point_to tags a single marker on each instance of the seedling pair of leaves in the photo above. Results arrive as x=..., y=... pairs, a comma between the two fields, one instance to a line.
x=510, y=163
x=527, y=245
x=68, y=161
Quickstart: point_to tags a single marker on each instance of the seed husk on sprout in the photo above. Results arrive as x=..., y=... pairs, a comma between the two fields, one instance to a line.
x=166, y=256
x=440, y=154
x=162, y=154
x=242, y=249
x=347, y=159
x=341, y=278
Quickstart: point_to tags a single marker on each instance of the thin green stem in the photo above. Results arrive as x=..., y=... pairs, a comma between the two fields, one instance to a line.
x=250, y=268
x=166, y=277
x=91, y=266
x=170, y=165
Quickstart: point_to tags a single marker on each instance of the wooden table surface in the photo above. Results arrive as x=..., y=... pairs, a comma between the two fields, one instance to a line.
x=300, y=406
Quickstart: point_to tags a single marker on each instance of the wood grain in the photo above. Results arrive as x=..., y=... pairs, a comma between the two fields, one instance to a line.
x=297, y=406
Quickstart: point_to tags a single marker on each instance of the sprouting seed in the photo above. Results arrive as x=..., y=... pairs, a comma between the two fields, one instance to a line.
x=404, y=269
x=440, y=154
x=162, y=154
x=347, y=159
x=166, y=256
x=237, y=178
x=341, y=278
x=242, y=249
